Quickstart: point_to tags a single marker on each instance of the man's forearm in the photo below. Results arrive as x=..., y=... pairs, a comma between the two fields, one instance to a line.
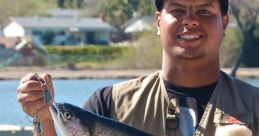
x=48, y=127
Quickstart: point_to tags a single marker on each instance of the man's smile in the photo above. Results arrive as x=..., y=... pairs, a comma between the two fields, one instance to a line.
x=190, y=37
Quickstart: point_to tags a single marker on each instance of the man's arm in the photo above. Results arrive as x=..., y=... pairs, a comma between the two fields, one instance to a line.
x=100, y=101
x=48, y=128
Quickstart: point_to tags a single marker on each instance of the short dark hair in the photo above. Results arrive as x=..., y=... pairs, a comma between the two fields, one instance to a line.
x=223, y=6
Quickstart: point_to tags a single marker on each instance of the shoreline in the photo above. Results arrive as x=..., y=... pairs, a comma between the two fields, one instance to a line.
x=17, y=74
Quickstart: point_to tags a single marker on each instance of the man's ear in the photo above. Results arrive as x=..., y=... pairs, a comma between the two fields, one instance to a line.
x=158, y=19
x=225, y=21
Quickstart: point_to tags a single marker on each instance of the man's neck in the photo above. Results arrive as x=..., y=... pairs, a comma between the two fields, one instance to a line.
x=190, y=75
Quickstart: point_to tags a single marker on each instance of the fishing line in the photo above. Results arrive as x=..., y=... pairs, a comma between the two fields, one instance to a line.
x=47, y=97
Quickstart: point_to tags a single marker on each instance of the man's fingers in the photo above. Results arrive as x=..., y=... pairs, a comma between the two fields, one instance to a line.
x=29, y=86
x=33, y=106
x=50, y=88
x=31, y=96
x=48, y=80
x=30, y=76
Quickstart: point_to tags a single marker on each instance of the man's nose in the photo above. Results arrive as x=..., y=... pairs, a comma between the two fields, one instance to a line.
x=190, y=21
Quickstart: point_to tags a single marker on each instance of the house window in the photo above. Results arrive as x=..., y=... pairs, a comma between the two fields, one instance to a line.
x=61, y=32
x=36, y=32
x=101, y=38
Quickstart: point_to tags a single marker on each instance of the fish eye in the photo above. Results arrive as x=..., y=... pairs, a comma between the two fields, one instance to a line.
x=67, y=115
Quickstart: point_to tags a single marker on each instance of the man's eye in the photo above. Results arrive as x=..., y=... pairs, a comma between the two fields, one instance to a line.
x=177, y=12
x=204, y=12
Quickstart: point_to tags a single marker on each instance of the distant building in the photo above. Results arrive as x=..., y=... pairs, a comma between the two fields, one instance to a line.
x=59, y=30
x=139, y=24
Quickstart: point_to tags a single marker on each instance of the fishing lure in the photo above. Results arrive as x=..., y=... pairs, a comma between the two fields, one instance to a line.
x=44, y=87
x=38, y=130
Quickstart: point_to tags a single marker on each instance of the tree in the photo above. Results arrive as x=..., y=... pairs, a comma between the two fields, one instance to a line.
x=24, y=8
x=230, y=47
x=118, y=11
x=94, y=7
x=146, y=8
x=70, y=4
x=61, y=3
x=79, y=3
x=246, y=14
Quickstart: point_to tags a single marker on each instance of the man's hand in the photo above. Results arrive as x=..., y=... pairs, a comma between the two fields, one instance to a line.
x=31, y=97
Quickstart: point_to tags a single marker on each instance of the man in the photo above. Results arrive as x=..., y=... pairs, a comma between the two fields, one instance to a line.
x=189, y=96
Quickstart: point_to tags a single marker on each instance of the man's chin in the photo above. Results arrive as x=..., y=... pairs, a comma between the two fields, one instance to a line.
x=190, y=57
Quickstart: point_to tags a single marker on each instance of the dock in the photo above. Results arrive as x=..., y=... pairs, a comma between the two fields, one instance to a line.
x=14, y=130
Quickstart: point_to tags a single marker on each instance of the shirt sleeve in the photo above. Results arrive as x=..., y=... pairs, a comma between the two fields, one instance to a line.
x=100, y=101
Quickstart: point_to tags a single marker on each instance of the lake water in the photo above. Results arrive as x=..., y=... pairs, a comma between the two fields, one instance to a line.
x=71, y=91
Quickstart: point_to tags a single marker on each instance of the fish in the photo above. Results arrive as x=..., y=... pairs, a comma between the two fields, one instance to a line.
x=72, y=120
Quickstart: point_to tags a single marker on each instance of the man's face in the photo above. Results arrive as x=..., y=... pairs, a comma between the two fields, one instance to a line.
x=191, y=29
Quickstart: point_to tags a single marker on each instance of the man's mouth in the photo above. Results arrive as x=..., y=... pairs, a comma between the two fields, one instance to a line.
x=190, y=37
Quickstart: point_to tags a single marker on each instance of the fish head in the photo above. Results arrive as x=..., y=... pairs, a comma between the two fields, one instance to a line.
x=69, y=120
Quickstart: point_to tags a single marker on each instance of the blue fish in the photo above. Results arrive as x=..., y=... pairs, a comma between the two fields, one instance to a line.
x=74, y=121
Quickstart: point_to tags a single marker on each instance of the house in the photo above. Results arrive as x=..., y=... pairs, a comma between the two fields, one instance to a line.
x=139, y=24
x=59, y=30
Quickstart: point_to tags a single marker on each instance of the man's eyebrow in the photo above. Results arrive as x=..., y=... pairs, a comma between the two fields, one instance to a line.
x=176, y=4
x=200, y=6
x=206, y=5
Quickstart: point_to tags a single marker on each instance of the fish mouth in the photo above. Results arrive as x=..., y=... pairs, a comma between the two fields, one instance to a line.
x=56, y=112
x=54, y=108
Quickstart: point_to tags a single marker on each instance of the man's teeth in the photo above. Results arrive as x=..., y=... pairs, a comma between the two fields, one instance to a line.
x=189, y=37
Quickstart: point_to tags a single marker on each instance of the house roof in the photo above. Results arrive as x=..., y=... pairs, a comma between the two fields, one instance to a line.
x=50, y=22
x=138, y=24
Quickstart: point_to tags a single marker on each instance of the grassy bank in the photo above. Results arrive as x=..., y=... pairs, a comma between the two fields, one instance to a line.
x=129, y=56
x=83, y=56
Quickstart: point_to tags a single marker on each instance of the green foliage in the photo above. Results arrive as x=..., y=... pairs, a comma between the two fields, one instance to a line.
x=252, y=58
x=230, y=47
x=24, y=8
x=146, y=53
x=71, y=4
x=146, y=8
x=251, y=55
x=85, y=53
x=94, y=7
x=118, y=11
x=246, y=14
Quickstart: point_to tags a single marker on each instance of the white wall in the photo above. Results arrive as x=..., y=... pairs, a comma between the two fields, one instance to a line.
x=14, y=30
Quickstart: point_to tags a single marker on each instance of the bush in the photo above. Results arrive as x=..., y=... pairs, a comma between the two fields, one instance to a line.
x=251, y=55
x=76, y=54
x=230, y=47
x=145, y=53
